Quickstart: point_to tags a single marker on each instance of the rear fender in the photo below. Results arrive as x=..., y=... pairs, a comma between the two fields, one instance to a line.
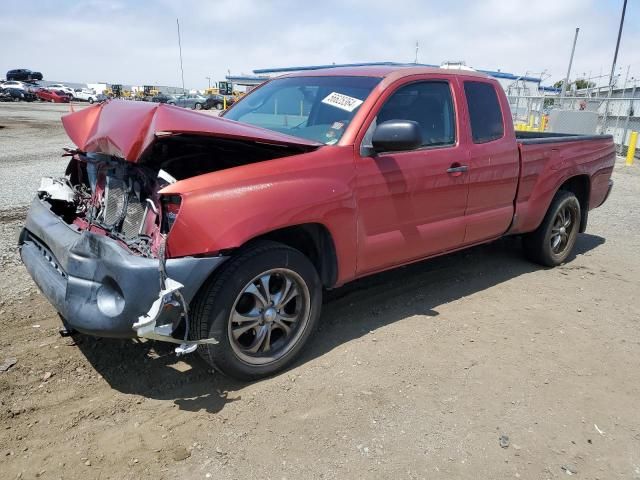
x=545, y=169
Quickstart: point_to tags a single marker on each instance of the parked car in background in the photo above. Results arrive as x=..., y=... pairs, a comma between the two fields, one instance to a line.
x=29, y=96
x=23, y=74
x=164, y=98
x=64, y=93
x=85, y=94
x=101, y=97
x=54, y=96
x=6, y=96
x=13, y=84
x=217, y=101
x=17, y=94
x=195, y=102
x=62, y=87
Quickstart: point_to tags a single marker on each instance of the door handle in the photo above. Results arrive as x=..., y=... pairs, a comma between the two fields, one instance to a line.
x=457, y=169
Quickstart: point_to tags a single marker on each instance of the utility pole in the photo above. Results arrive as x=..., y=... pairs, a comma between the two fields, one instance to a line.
x=209, y=78
x=573, y=50
x=615, y=55
x=180, y=47
x=417, y=47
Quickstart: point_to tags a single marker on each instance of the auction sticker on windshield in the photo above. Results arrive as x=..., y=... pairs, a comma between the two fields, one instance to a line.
x=343, y=102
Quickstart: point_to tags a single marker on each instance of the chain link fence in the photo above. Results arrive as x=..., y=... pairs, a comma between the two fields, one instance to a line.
x=617, y=116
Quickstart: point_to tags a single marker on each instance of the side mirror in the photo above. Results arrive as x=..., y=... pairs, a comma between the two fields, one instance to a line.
x=396, y=135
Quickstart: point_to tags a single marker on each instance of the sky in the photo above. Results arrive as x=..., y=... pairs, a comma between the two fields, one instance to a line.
x=136, y=43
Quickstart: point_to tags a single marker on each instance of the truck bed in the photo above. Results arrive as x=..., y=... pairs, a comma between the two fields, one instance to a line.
x=529, y=138
x=547, y=160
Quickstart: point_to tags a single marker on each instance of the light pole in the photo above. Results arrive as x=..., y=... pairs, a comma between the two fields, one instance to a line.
x=209, y=78
x=180, y=48
x=615, y=55
x=565, y=84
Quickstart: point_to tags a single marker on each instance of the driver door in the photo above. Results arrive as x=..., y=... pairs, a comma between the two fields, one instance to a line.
x=411, y=204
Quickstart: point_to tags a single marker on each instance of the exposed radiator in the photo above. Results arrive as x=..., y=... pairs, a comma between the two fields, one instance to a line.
x=114, y=202
x=123, y=212
x=134, y=219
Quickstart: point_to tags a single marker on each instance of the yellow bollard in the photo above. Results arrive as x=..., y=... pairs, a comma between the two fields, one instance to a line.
x=543, y=123
x=224, y=103
x=531, y=120
x=633, y=139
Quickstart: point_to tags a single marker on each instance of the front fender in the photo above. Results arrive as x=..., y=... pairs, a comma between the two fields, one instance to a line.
x=225, y=209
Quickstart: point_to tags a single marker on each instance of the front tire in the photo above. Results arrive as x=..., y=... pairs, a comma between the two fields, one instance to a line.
x=198, y=106
x=218, y=106
x=552, y=242
x=91, y=100
x=262, y=307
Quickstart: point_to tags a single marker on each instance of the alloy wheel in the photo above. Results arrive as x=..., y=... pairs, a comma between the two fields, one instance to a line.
x=269, y=316
x=562, y=228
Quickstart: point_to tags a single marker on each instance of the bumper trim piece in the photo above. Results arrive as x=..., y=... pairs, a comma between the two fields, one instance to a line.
x=147, y=324
x=98, y=286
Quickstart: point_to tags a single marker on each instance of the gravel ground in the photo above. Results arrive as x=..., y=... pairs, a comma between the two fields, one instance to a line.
x=475, y=365
x=31, y=142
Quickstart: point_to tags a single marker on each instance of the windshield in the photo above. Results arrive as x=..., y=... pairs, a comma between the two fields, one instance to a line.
x=315, y=108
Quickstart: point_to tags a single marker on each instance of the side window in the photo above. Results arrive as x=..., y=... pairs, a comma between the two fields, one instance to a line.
x=484, y=112
x=427, y=103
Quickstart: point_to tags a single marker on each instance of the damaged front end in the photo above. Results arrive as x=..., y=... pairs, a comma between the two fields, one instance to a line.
x=95, y=244
x=97, y=241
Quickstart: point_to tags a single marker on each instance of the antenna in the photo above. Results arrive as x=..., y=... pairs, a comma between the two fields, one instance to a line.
x=417, y=47
x=180, y=47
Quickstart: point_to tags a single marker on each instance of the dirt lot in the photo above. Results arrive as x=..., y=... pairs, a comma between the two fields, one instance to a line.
x=415, y=373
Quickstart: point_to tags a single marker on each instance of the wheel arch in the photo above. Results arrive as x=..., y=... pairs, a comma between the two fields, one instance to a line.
x=580, y=186
x=314, y=240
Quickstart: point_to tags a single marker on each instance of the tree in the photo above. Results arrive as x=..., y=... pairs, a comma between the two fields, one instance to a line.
x=579, y=83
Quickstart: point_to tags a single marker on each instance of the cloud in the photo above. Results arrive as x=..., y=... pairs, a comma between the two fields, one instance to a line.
x=136, y=43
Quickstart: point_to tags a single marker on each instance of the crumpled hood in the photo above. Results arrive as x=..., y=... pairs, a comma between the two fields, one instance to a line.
x=125, y=128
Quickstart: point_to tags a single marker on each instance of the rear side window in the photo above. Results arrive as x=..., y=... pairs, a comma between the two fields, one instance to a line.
x=484, y=112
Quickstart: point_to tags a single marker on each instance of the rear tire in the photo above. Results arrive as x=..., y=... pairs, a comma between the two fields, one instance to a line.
x=198, y=106
x=262, y=307
x=218, y=106
x=90, y=100
x=552, y=242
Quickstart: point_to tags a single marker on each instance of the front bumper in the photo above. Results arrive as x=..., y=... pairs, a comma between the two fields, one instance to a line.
x=98, y=286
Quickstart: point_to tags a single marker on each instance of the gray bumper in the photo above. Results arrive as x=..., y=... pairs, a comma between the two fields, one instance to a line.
x=98, y=287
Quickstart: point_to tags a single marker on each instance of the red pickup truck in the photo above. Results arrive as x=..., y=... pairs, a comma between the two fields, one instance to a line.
x=220, y=234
